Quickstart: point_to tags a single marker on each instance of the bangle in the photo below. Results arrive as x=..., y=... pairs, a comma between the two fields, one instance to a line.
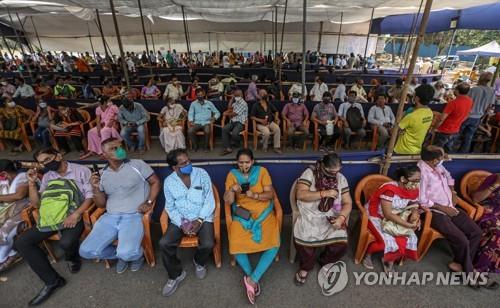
x=258, y=196
x=321, y=194
x=492, y=188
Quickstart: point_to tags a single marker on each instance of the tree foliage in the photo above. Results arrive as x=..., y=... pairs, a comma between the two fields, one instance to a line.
x=471, y=38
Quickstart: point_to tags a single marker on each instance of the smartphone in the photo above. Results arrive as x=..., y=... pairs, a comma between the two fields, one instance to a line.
x=245, y=187
x=95, y=168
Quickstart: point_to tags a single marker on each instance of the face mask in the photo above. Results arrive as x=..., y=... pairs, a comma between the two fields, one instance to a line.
x=120, y=153
x=237, y=98
x=440, y=163
x=264, y=97
x=186, y=169
x=52, y=166
x=4, y=83
x=326, y=100
x=201, y=98
x=412, y=185
x=296, y=100
x=11, y=104
x=43, y=105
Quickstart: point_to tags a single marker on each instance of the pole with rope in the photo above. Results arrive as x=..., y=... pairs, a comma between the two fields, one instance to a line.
x=120, y=46
x=340, y=31
x=36, y=33
x=18, y=39
x=304, y=29
x=91, y=44
x=99, y=26
x=413, y=29
x=409, y=74
x=145, y=37
x=24, y=33
x=365, y=62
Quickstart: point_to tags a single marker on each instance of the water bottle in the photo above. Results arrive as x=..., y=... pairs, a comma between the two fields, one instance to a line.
x=329, y=128
x=4, y=187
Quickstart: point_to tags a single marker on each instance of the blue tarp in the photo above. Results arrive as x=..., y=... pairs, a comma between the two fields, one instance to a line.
x=483, y=17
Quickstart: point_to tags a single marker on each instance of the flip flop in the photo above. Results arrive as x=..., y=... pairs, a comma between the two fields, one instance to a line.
x=250, y=291
x=257, y=289
x=299, y=280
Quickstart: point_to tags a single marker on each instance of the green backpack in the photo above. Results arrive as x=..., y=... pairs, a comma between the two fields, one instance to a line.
x=60, y=198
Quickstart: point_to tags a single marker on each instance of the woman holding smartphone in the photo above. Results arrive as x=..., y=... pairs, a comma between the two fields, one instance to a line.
x=255, y=227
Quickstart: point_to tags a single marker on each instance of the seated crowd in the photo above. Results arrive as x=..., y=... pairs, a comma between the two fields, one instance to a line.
x=468, y=120
x=125, y=191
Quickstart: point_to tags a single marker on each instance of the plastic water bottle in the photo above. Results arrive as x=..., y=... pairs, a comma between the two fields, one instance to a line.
x=4, y=187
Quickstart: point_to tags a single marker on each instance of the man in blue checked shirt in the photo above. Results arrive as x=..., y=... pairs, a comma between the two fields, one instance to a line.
x=201, y=114
x=190, y=205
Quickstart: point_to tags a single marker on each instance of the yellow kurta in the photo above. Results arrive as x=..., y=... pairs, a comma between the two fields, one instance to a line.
x=240, y=240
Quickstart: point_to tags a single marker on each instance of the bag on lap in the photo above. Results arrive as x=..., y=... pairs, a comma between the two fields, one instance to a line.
x=60, y=198
x=354, y=118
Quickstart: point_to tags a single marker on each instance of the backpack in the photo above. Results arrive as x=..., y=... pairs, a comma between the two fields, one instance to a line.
x=60, y=198
x=354, y=118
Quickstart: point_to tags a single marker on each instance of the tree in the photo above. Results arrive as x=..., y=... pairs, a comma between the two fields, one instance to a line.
x=475, y=38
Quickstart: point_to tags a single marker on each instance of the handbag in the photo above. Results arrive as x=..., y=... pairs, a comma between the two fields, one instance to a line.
x=395, y=229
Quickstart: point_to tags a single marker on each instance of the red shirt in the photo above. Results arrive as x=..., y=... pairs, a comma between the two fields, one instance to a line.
x=457, y=110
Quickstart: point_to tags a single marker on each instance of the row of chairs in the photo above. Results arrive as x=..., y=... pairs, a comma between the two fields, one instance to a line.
x=90, y=217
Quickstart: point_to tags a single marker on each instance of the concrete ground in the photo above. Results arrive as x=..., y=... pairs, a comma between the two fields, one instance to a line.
x=96, y=286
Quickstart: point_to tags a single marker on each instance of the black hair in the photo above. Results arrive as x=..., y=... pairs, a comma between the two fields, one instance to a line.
x=172, y=156
x=378, y=94
x=424, y=81
x=463, y=88
x=110, y=139
x=245, y=151
x=199, y=90
x=49, y=150
x=425, y=93
x=399, y=82
x=431, y=153
x=331, y=160
x=405, y=172
x=61, y=104
x=8, y=165
x=351, y=92
x=327, y=94
x=102, y=98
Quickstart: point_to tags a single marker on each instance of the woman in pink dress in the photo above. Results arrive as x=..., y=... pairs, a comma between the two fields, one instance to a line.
x=106, y=119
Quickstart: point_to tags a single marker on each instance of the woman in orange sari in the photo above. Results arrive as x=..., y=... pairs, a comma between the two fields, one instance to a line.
x=255, y=227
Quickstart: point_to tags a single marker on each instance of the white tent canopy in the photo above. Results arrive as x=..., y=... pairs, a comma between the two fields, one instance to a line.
x=492, y=49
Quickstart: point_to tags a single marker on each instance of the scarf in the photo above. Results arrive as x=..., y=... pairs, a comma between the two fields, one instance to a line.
x=375, y=199
x=324, y=181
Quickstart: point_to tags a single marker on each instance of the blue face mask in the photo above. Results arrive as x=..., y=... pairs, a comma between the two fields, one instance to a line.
x=186, y=169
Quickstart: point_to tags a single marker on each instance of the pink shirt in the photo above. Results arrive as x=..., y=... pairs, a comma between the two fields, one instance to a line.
x=111, y=113
x=435, y=185
x=79, y=173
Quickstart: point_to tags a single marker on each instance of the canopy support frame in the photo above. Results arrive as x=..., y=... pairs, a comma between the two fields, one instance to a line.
x=120, y=46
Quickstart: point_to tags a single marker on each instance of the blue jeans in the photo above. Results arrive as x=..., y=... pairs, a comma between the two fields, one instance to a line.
x=446, y=141
x=126, y=228
x=42, y=134
x=125, y=133
x=467, y=131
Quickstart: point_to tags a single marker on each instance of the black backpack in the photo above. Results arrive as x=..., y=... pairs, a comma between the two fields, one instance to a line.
x=354, y=118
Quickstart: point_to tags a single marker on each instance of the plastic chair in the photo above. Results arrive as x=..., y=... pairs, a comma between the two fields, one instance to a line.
x=295, y=216
x=229, y=220
x=296, y=133
x=316, y=135
x=192, y=241
x=147, y=244
x=243, y=133
x=256, y=133
x=22, y=126
x=202, y=133
x=470, y=183
x=365, y=188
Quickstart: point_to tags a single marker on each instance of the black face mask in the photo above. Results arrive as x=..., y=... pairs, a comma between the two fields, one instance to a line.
x=52, y=166
x=265, y=97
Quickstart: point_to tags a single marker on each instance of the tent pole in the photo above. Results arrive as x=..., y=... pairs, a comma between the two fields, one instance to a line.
x=320, y=34
x=209, y=44
x=304, y=29
x=473, y=64
x=409, y=74
x=413, y=29
x=7, y=45
x=36, y=33
x=449, y=51
x=145, y=37
x=169, y=44
x=272, y=33
x=365, y=63
x=340, y=31
x=18, y=39
x=276, y=32
x=283, y=28
x=120, y=46
x=495, y=75
x=24, y=34
x=99, y=26
x=186, y=35
x=152, y=38
x=90, y=40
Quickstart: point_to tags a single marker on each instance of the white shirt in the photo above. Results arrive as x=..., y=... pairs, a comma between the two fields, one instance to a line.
x=340, y=92
x=173, y=92
x=24, y=91
x=295, y=88
x=317, y=91
x=379, y=116
x=345, y=106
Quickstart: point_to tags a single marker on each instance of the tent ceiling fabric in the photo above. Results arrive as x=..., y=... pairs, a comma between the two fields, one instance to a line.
x=240, y=10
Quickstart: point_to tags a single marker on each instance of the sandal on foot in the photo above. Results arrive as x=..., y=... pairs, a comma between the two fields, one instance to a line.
x=368, y=263
x=257, y=289
x=250, y=290
x=299, y=280
x=388, y=268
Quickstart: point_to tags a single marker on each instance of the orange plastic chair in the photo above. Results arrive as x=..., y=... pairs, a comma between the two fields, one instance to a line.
x=365, y=188
x=296, y=133
x=192, y=241
x=202, y=133
x=470, y=183
x=147, y=244
x=243, y=133
x=229, y=220
x=295, y=215
x=256, y=133
x=316, y=135
x=22, y=123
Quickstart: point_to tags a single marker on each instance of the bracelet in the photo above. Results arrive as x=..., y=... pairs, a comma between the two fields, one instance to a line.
x=258, y=196
x=321, y=194
x=345, y=218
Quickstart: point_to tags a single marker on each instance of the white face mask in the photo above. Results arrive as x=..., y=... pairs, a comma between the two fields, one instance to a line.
x=440, y=164
x=296, y=100
x=4, y=83
x=11, y=104
x=43, y=105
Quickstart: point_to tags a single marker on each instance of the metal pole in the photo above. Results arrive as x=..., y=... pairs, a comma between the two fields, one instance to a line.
x=24, y=33
x=340, y=31
x=99, y=26
x=18, y=40
x=209, y=44
x=91, y=44
x=186, y=35
x=409, y=74
x=36, y=33
x=449, y=51
x=283, y=27
x=495, y=75
x=367, y=38
x=169, y=44
x=276, y=32
x=272, y=33
x=473, y=64
x=7, y=45
x=304, y=29
x=152, y=38
x=413, y=29
x=145, y=37
x=120, y=46
x=320, y=34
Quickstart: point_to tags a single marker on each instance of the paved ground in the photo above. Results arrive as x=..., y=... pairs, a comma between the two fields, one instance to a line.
x=95, y=286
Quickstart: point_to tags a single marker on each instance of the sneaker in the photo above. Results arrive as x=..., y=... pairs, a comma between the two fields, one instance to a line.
x=121, y=266
x=200, y=270
x=172, y=284
x=137, y=264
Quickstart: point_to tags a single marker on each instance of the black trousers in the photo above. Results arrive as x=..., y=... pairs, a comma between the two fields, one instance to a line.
x=463, y=234
x=28, y=245
x=171, y=240
x=63, y=143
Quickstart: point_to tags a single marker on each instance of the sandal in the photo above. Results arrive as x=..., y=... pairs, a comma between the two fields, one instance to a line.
x=250, y=290
x=455, y=267
x=299, y=280
x=367, y=262
x=388, y=268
